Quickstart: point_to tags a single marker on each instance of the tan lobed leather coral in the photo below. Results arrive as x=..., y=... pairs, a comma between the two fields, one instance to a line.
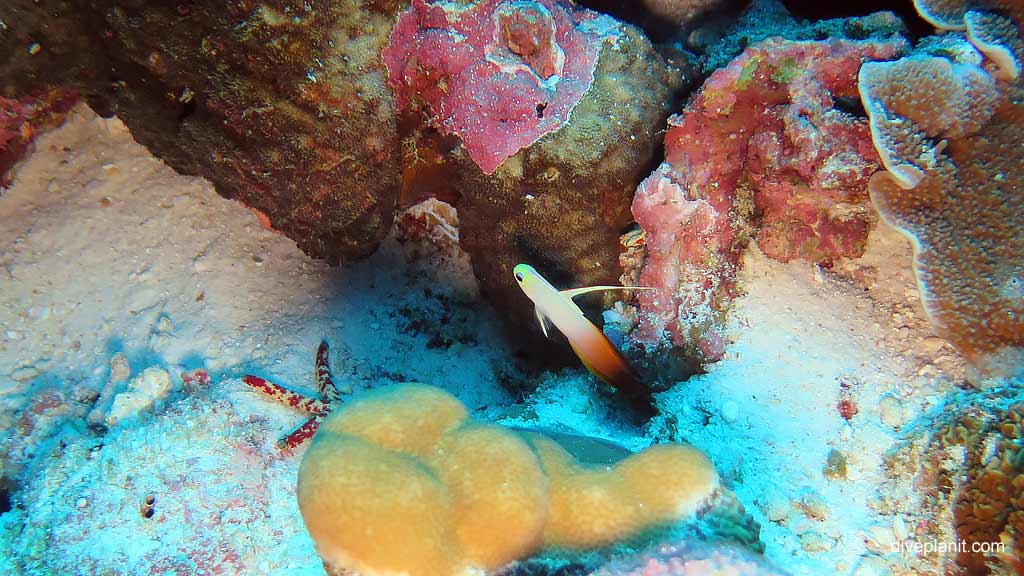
x=400, y=481
x=948, y=123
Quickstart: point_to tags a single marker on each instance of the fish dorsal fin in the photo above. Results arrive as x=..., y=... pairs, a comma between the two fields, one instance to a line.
x=574, y=292
x=543, y=321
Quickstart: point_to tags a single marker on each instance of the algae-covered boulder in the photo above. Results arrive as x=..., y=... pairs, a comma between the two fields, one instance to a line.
x=555, y=112
x=282, y=105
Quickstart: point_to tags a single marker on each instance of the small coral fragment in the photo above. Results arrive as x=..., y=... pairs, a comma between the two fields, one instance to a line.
x=400, y=481
x=142, y=393
x=195, y=380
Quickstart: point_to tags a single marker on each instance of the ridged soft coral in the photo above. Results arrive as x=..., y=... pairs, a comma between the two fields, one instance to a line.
x=951, y=14
x=950, y=136
x=401, y=482
x=970, y=470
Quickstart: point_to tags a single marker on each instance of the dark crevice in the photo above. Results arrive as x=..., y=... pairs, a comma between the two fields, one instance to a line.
x=7, y=489
x=544, y=568
x=661, y=30
x=634, y=12
x=818, y=10
x=187, y=109
x=850, y=105
x=632, y=226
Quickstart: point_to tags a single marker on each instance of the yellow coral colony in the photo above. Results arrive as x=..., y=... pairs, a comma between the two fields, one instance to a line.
x=402, y=482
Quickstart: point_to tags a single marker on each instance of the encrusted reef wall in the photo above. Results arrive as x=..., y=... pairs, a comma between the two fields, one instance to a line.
x=775, y=148
x=557, y=111
x=544, y=115
x=283, y=105
x=540, y=119
x=22, y=118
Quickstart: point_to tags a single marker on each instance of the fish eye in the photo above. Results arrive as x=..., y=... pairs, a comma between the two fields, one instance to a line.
x=519, y=276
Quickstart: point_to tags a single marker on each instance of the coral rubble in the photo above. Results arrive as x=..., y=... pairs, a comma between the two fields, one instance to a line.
x=455, y=497
x=948, y=122
x=765, y=150
x=142, y=393
x=166, y=496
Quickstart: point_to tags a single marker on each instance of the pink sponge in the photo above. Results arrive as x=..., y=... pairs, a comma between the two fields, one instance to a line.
x=500, y=74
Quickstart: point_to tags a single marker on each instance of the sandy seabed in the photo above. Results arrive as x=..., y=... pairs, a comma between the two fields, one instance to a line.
x=108, y=257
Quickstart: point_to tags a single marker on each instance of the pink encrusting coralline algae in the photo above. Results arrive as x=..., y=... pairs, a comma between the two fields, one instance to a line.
x=765, y=151
x=500, y=74
x=691, y=260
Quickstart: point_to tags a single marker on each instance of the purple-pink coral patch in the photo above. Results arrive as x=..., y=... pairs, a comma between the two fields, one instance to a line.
x=762, y=150
x=500, y=74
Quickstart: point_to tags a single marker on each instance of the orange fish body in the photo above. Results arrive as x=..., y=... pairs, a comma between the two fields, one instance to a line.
x=592, y=347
